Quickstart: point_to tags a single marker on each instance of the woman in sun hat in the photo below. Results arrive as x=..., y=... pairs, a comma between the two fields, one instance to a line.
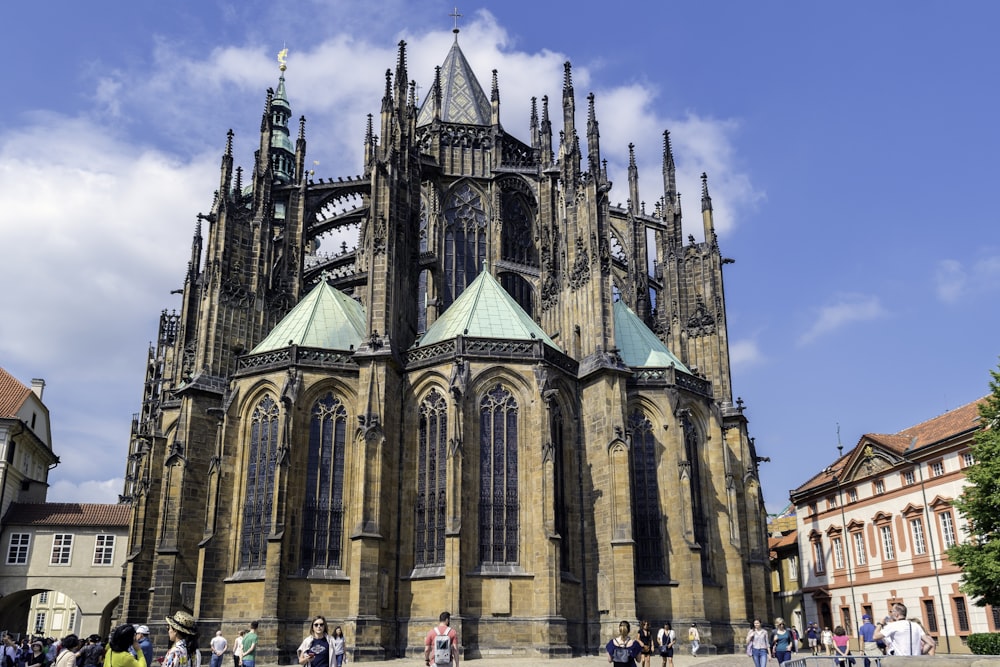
x=183, y=634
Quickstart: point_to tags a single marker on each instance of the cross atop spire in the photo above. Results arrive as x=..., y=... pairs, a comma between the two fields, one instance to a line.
x=455, y=15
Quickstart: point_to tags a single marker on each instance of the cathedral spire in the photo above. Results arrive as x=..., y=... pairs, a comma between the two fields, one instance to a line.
x=495, y=101
x=633, y=181
x=706, y=210
x=545, y=132
x=593, y=140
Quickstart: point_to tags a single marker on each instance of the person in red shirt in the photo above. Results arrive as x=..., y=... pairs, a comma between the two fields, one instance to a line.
x=434, y=651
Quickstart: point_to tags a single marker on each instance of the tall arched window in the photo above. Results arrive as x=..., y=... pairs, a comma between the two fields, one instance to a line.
x=323, y=515
x=557, y=433
x=701, y=536
x=646, y=515
x=262, y=456
x=519, y=288
x=498, y=513
x=464, y=240
x=517, y=244
x=432, y=456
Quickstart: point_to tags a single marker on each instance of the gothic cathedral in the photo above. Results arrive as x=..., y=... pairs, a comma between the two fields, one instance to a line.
x=492, y=405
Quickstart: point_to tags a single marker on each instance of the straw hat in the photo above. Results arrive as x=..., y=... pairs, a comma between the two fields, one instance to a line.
x=182, y=622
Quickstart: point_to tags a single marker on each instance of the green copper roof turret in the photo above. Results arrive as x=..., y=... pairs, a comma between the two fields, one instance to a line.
x=326, y=318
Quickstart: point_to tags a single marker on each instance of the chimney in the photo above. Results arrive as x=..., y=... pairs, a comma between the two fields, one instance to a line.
x=38, y=387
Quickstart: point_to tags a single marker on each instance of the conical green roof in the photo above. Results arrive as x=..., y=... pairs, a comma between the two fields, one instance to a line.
x=639, y=347
x=326, y=318
x=462, y=98
x=484, y=310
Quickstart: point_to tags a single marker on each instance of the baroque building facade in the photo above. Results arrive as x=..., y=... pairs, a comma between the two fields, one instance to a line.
x=874, y=528
x=489, y=406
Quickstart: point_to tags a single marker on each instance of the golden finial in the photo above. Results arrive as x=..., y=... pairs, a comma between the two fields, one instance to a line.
x=283, y=59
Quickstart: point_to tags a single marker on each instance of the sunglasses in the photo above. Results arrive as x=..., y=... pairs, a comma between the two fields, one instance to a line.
x=319, y=625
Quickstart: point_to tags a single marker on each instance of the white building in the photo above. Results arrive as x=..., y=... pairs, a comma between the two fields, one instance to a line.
x=874, y=525
x=25, y=442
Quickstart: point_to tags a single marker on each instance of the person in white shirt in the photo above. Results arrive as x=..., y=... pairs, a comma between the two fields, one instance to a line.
x=903, y=637
x=219, y=648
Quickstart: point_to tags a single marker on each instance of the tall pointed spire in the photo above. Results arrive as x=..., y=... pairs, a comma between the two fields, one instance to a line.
x=707, y=220
x=593, y=140
x=633, y=181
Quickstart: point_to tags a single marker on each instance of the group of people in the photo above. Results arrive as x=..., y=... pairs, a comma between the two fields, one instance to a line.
x=624, y=651
x=69, y=651
x=895, y=635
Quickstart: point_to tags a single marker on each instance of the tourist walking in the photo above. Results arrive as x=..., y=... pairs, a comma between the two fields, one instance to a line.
x=315, y=648
x=622, y=649
x=665, y=639
x=441, y=643
x=339, y=646
x=694, y=638
x=68, y=649
x=866, y=640
x=645, y=639
x=37, y=657
x=841, y=645
x=145, y=644
x=827, y=638
x=757, y=644
x=812, y=638
x=782, y=641
x=249, y=656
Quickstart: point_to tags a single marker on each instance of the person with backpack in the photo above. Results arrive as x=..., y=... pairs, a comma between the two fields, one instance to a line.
x=441, y=644
x=622, y=649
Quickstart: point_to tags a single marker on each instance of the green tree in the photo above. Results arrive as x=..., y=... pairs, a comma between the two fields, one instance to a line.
x=979, y=556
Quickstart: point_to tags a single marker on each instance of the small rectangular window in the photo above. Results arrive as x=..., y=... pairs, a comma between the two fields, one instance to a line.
x=937, y=469
x=859, y=548
x=838, y=554
x=853, y=495
x=879, y=487
x=930, y=616
x=43, y=597
x=917, y=529
x=968, y=459
x=888, y=548
x=39, y=622
x=17, y=548
x=62, y=549
x=104, y=550
x=818, y=553
x=908, y=477
x=961, y=614
x=793, y=568
x=947, y=529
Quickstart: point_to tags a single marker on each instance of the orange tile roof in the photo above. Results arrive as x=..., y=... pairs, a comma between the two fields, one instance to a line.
x=68, y=514
x=783, y=541
x=950, y=424
x=12, y=395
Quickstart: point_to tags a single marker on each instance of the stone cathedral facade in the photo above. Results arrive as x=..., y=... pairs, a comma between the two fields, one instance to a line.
x=490, y=405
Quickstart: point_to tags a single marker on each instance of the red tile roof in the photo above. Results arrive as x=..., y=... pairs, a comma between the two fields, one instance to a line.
x=949, y=425
x=12, y=395
x=68, y=514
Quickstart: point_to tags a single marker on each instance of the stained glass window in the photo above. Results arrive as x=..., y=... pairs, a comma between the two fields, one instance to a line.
x=432, y=478
x=692, y=446
x=262, y=456
x=557, y=430
x=498, y=512
x=323, y=515
x=464, y=241
x=647, y=519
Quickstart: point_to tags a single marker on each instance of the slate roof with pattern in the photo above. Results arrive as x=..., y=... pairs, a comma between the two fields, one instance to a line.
x=639, y=347
x=462, y=98
x=326, y=318
x=12, y=395
x=484, y=310
x=68, y=514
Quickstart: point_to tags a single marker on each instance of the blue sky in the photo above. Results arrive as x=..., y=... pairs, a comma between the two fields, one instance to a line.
x=851, y=150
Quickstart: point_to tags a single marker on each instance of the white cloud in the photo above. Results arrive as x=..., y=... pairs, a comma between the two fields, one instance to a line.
x=745, y=353
x=99, y=215
x=88, y=491
x=955, y=280
x=845, y=310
